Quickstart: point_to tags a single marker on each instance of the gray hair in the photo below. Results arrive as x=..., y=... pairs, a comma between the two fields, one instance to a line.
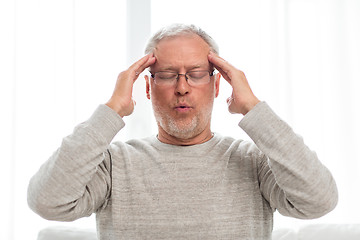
x=175, y=30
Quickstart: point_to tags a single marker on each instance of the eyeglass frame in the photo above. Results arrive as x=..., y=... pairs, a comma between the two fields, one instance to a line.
x=211, y=74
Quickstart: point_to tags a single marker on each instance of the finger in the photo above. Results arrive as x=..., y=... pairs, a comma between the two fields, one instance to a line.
x=138, y=67
x=220, y=63
x=140, y=62
x=230, y=103
x=225, y=76
x=230, y=99
x=151, y=60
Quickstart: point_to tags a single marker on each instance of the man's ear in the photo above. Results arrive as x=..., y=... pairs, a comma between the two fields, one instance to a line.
x=147, y=86
x=217, y=84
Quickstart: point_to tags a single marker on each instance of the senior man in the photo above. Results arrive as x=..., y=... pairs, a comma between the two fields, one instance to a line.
x=186, y=182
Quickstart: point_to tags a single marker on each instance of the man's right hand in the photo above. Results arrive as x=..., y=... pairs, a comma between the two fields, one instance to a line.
x=121, y=100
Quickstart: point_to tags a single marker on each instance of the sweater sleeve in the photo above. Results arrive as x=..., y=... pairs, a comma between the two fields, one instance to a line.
x=291, y=177
x=76, y=180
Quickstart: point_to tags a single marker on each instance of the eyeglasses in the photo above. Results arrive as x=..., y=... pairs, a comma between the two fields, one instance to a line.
x=193, y=78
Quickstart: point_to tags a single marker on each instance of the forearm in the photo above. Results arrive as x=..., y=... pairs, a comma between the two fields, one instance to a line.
x=296, y=183
x=75, y=180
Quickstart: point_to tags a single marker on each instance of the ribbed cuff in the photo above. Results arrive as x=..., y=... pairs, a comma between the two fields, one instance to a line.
x=105, y=122
x=262, y=123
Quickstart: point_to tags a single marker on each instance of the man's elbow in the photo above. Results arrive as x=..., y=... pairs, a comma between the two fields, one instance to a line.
x=323, y=204
x=329, y=203
x=55, y=213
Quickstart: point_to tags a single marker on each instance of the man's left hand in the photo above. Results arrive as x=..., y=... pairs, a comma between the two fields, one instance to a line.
x=242, y=99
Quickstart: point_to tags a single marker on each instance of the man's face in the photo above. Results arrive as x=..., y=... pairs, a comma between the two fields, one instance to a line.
x=182, y=111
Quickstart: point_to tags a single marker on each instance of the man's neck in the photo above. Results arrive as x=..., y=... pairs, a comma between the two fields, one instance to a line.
x=204, y=136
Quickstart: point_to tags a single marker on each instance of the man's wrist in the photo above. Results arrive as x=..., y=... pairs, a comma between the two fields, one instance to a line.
x=250, y=105
x=105, y=122
x=114, y=107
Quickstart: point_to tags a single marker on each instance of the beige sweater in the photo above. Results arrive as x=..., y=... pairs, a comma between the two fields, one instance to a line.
x=145, y=189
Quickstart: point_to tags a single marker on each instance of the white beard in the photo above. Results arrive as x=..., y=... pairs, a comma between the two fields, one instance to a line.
x=183, y=129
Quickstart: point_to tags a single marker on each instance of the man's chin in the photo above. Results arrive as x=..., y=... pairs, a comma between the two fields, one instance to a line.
x=184, y=135
x=181, y=130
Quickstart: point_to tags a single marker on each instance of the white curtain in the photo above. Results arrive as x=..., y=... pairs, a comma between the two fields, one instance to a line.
x=60, y=59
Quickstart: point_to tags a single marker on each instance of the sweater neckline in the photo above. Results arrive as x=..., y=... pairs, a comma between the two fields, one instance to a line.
x=198, y=147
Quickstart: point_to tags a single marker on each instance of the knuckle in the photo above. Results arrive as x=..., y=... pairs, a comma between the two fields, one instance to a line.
x=121, y=74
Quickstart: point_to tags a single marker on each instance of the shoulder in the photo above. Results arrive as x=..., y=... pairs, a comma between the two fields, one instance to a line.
x=237, y=151
x=236, y=145
x=241, y=156
x=133, y=145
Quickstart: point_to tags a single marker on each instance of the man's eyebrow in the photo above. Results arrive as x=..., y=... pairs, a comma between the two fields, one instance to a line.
x=202, y=66
x=167, y=68
x=196, y=66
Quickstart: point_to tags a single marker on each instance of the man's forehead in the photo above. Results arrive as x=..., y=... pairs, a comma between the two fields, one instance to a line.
x=175, y=62
x=189, y=44
x=169, y=66
x=189, y=53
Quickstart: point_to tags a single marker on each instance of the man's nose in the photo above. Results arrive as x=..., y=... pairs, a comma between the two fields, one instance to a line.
x=182, y=87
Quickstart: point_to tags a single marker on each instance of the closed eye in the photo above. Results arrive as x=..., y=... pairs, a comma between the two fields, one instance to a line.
x=166, y=75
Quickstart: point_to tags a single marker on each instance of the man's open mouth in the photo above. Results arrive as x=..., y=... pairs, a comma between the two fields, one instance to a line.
x=183, y=108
